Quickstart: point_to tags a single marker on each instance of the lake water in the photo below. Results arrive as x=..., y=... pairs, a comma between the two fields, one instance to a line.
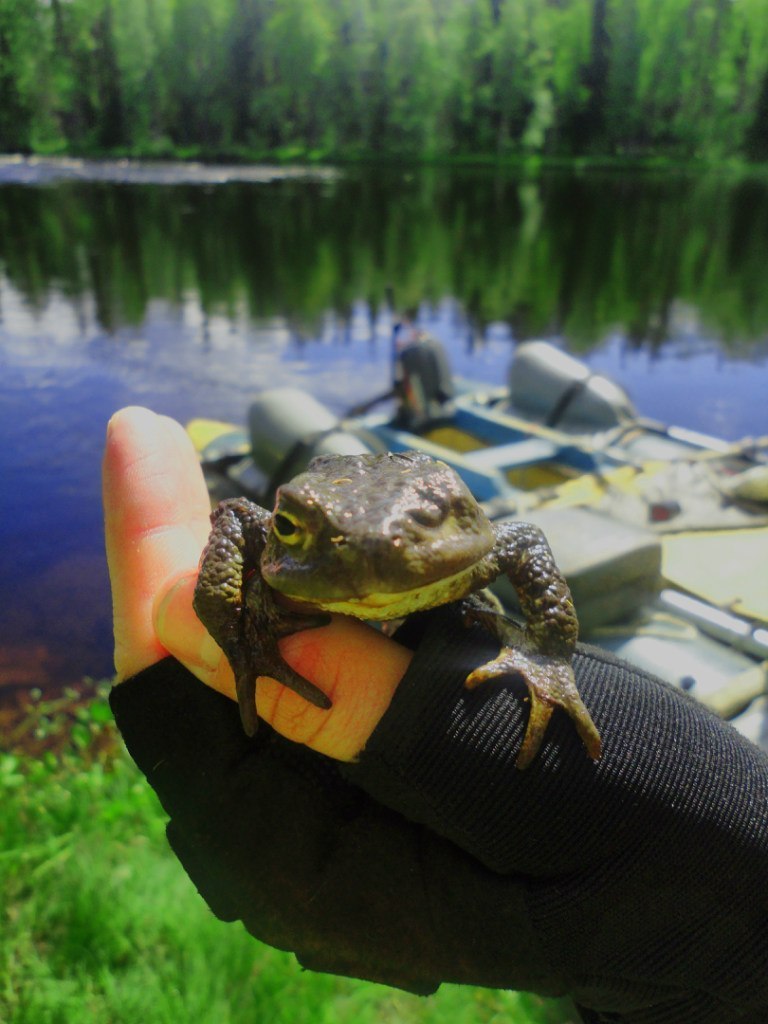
x=188, y=290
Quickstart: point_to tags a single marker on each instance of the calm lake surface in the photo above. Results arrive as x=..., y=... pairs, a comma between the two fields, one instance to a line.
x=188, y=290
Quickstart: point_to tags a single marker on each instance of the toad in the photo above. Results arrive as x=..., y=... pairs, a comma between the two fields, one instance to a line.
x=379, y=537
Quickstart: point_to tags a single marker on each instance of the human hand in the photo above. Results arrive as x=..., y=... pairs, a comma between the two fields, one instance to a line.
x=430, y=859
x=156, y=510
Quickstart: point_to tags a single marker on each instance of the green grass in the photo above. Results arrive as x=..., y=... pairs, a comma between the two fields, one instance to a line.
x=102, y=926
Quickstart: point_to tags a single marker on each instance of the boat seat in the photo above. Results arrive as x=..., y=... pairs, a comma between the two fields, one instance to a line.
x=516, y=453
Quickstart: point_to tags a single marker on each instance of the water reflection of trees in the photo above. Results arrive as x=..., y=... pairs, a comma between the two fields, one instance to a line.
x=573, y=255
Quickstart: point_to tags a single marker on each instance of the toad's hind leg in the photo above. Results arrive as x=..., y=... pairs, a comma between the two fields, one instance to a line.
x=549, y=679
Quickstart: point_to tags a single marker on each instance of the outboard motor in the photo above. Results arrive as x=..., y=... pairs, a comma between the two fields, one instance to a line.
x=423, y=384
x=550, y=386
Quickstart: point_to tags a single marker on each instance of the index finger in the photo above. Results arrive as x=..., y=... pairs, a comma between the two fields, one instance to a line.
x=156, y=511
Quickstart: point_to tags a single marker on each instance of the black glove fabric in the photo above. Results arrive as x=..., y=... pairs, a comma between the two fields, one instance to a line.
x=638, y=885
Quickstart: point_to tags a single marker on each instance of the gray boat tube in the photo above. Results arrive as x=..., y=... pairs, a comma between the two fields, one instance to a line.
x=288, y=427
x=552, y=387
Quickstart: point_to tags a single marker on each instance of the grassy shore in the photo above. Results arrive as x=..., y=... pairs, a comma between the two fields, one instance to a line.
x=102, y=926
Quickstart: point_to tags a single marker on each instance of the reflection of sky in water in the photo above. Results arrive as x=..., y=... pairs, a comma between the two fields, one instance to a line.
x=62, y=376
x=700, y=389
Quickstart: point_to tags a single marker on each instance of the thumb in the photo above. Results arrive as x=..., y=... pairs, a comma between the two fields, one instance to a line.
x=355, y=665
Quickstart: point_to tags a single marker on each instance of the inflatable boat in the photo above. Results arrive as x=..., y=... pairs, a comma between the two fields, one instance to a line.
x=661, y=532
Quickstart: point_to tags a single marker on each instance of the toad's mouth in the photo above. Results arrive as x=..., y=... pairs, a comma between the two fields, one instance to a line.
x=379, y=605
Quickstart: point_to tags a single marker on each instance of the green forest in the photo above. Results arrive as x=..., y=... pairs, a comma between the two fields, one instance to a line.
x=377, y=79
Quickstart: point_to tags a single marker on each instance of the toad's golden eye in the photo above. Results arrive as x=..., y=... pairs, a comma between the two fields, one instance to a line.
x=288, y=529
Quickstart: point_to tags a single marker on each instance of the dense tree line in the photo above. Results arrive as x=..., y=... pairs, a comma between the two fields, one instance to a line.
x=421, y=78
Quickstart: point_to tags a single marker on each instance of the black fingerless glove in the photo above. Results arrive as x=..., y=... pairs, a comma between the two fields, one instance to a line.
x=637, y=885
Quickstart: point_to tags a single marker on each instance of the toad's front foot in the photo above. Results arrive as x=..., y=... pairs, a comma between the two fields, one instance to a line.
x=551, y=683
x=266, y=660
x=255, y=651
